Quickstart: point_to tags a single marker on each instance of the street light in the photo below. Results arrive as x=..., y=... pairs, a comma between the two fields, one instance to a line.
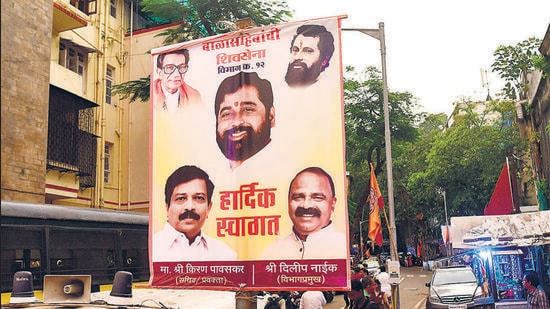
x=361, y=238
x=380, y=36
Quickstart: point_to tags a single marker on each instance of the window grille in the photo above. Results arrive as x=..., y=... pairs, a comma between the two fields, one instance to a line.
x=71, y=142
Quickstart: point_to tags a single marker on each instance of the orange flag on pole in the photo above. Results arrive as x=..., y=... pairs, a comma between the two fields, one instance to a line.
x=376, y=203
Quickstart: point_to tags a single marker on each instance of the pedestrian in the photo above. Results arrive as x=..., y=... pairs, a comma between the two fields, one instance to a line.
x=358, y=298
x=378, y=296
x=312, y=300
x=384, y=279
x=358, y=273
x=536, y=298
x=368, y=285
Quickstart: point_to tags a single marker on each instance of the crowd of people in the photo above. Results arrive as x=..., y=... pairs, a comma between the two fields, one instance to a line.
x=368, y=291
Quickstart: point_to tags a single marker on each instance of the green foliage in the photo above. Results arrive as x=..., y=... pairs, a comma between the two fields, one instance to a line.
x=542, y=184
x=465, y=159
x=365, y=138
x=543, y=64
x=197, y=19
x=134, y=90
x=513, y=63
x=201, y=17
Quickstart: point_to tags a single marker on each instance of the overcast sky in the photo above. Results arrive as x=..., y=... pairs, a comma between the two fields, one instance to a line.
x=435, y=49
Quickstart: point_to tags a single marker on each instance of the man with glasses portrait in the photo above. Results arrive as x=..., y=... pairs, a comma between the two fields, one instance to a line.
x=170, y=92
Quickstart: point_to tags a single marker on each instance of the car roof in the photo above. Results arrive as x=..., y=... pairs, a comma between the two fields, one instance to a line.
x=453, y=268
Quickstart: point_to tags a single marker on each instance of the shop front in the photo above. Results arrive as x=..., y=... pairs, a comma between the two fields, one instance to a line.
x=501, y=250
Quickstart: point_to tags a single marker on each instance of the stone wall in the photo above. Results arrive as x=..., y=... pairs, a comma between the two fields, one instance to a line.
x=26, y=37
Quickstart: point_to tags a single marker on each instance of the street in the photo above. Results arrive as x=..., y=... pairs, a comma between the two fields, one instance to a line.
x=412, y=289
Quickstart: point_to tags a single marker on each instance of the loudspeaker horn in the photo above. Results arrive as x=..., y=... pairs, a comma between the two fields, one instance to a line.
x=67, y=289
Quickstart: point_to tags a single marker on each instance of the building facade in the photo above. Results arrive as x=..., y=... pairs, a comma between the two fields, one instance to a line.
x=66, y=139
x=535, y=125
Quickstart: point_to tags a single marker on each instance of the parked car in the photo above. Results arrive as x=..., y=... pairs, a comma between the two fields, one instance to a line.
x=373, y=266
x=402, y=259
x=384, y=256
x=455, y=287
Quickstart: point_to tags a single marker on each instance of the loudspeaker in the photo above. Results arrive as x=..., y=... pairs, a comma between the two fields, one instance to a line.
x=121, y=292
x=122, y=284
x=22, y=290
x=67, y=289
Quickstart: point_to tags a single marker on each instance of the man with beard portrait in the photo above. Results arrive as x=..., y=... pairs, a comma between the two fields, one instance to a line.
x=188, y=197
x=244, y=116
x=310, y=52
x=311, y=204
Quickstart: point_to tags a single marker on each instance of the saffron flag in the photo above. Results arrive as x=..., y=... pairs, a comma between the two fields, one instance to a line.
x=376, y=203
x=445, y=231
x=501, y=202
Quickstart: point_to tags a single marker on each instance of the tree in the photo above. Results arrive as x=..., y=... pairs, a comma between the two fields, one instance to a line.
x=465, y=160
x=365, y=139
x=415, y=205
x=513, y=64
x=194, y=19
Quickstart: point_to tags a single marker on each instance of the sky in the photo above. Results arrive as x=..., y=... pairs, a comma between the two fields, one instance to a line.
x=435, y=50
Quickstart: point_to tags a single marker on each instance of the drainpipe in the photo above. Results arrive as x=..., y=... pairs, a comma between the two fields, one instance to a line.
x=120, y=112
x=100, y=86
x=129, y=172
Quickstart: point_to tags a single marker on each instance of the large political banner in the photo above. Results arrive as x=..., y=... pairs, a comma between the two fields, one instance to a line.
x=247, y=161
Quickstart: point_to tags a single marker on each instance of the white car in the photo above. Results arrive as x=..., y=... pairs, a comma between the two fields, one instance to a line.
x=373, y=266
x=455, y=287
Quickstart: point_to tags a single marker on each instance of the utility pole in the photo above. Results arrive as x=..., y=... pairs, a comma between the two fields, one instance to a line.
x=380, y=36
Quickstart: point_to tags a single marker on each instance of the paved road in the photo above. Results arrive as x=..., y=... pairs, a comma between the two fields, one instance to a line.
x=412, y=290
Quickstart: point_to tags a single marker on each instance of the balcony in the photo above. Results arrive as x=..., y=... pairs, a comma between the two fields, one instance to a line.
x=72, y=144
x=67, y=17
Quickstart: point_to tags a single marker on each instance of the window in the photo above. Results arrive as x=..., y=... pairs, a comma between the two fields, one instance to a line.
x=107, y=163
x=72, y=56
x=62, y=55
x=80, y=63
x=109, y=84
x=113, y=8
x=87, y=6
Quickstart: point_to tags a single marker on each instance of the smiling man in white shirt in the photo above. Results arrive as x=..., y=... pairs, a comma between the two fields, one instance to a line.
x=188, y=196
x=311, y=204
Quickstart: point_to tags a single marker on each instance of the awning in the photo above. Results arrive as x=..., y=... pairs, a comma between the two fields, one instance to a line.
x=62, y=94
x=74, y=38
x=67, y=17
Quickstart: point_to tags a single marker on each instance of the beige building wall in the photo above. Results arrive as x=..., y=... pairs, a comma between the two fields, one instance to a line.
x=102, y=37
x=136, y=119
x=31, y=63
x=26, y=38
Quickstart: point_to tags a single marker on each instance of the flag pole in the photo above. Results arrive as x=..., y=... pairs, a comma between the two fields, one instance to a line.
x=514, y=208
x=389, y=230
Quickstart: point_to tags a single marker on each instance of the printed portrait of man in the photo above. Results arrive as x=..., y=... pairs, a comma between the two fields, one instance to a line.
x=311, y=205
x=188, y=201
x=310, y=52
x=244, y=116
x=170, y=91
